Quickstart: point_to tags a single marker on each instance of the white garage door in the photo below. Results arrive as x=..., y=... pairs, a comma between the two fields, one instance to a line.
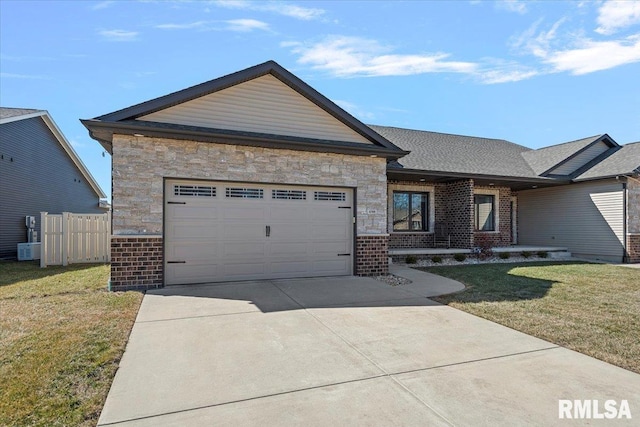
x=225, y=231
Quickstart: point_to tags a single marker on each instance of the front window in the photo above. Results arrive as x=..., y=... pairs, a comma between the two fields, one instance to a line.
x=410, y=211
x=484, y=212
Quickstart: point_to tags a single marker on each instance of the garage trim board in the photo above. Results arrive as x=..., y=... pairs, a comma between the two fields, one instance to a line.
x=219, y=231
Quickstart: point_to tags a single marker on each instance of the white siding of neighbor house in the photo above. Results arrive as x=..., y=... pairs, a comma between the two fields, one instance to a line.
x=587, y=218
x=581, y=159
x=264, y=105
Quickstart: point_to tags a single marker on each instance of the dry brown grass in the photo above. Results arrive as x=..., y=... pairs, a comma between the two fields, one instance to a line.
x=62, y=336
x=590, y=308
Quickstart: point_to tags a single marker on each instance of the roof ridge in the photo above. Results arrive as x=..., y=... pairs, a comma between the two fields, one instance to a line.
x=571, y=142
x=446, y=133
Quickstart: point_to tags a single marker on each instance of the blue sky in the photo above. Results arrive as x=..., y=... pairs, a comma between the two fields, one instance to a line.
x=534, y=73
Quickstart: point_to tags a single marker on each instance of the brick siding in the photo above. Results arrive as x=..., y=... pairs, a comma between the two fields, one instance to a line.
x=459, y=211
x=503, y=236
x=372, y=255
x=453, y=206
x=411, y=240
x=136, y=263
x=633, y=248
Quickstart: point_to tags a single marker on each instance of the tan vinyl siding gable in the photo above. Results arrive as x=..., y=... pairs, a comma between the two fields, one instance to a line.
x=263, y=105
x=580, y=160
x=588, y=218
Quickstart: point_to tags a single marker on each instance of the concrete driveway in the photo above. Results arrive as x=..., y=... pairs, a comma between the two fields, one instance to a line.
x=343, y=351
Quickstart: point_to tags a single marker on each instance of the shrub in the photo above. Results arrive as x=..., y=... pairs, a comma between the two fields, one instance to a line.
x=459, y=257
x=504, y=255
x=543, y=254
x=436, y=259
x=484, y=246
x=411, y=259
x=526, y=254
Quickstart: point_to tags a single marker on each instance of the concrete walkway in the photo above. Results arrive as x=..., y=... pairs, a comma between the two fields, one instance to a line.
x=343, y=351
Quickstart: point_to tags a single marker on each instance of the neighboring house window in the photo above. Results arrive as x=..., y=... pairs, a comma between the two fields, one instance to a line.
x=484, y=211
x=410, y=211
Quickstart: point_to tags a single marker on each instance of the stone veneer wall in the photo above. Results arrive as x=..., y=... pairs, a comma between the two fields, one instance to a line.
x=459, y=211
x=372, y=255
x=633, y=220
x=502, y=236
x=140, y=164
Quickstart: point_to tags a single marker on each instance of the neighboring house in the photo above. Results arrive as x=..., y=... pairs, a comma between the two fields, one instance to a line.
x=256, y=175
x=39, y=172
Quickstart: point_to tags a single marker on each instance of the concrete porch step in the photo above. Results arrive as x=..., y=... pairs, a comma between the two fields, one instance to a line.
x=553, y=251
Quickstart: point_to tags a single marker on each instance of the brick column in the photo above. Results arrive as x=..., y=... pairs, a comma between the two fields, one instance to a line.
x=372, y=255
x=633, y=248
x=459, y=201
x=136, y=263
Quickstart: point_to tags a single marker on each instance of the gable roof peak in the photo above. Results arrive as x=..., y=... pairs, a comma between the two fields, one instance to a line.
x=135, y=114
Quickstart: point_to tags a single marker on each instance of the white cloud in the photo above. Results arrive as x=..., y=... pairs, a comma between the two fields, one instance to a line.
x=297, y=12
x=355, y=110
x=245, y=25
x=102, y=5
x=537, y=44
x=496, y=71
x=345, y=56
x=240, y=25
x=574, y=52
x=187, y=26
x=119, y=35
x=24, y=76
x=592, y=56
x=279, y=7
x=76, y=144
x=616, y=15
x=512, y=6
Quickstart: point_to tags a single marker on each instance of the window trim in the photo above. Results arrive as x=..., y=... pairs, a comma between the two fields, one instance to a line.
x=426, y=215
x=495, y=195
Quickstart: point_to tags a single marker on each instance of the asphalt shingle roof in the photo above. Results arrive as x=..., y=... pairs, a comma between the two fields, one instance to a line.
x=543, y=159
x=624, y=161
x=6, y=112
x=432, y=151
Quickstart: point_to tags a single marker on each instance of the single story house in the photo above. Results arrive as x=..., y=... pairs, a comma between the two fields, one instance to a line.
x=39, y=172
x=256, y=175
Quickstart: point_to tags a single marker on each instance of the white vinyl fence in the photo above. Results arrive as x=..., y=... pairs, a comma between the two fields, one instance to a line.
x=74, y=238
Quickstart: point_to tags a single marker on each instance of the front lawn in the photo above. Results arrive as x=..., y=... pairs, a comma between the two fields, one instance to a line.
x=61, y=338
x=590, y=308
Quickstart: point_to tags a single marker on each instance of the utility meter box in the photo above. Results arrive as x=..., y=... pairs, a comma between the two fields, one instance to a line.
x=30, y=221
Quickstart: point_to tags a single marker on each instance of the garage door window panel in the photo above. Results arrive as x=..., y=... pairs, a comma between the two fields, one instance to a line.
x=245, y=193
x=329, y=196
x=194, y=190
x=288, y=195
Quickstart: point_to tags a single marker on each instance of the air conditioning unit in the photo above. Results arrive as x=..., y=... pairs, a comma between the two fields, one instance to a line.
x=28, y=251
